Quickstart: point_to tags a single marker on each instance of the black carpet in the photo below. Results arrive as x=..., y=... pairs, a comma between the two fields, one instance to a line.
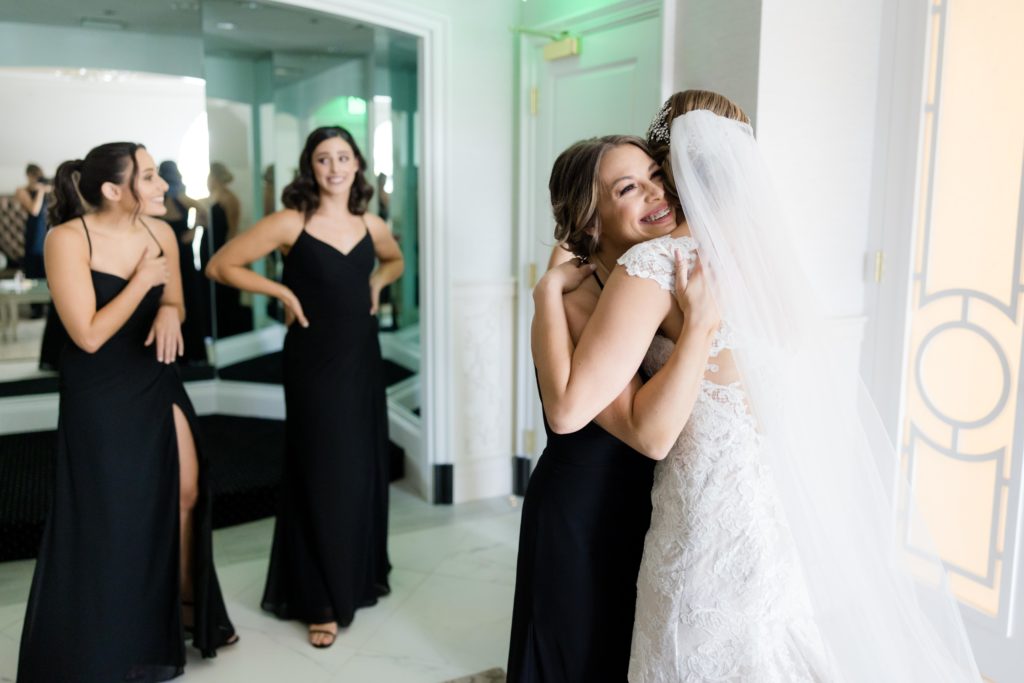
x=246, y=459
x=268, y=369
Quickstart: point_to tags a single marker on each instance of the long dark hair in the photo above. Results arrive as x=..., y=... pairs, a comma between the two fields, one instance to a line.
x=303, y=193
x=82, y=179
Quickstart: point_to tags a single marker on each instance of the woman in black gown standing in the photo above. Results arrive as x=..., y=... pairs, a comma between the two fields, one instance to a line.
x=125, y=566
x=330, y=541
x=588, y=504
x=194, y=287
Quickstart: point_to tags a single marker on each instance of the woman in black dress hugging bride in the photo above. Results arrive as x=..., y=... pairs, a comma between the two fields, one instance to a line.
x=330, y=542
x=125, y=566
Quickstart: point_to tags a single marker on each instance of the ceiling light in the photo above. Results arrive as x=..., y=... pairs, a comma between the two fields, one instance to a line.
x=226, y=25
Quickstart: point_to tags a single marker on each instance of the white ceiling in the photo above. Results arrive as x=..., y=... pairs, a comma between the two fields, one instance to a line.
x=259, y=28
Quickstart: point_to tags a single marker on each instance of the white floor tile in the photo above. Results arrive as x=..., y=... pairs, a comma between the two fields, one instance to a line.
x=449, y=613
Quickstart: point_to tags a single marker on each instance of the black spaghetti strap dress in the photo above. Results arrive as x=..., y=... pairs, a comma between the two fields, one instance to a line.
x=105, y=599
x=581, y=538
x=329, y=555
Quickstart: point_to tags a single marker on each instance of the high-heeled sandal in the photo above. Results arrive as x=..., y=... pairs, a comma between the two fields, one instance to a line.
x=191, y=628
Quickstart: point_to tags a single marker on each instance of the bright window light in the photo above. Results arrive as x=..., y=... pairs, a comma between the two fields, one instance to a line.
x=194, y=157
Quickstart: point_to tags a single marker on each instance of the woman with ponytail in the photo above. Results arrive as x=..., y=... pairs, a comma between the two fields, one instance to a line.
x=330, y=543
x=125, y=567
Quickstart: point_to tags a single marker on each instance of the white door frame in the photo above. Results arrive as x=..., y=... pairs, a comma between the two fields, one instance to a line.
x=895, y=193
x=435, y=321
x=527, y=419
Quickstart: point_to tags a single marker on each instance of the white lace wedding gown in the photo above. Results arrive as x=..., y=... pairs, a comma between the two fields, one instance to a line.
x=720, y=596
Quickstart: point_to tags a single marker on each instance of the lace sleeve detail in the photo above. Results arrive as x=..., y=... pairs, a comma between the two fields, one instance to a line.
x=655, y=260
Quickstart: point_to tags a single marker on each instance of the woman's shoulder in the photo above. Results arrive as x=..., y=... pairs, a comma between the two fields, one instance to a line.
x=374, y=223
x=67, y=235
x=159, y=227
x=283, y=219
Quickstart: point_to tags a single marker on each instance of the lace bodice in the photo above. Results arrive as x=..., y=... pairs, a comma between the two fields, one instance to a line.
x=655, y=260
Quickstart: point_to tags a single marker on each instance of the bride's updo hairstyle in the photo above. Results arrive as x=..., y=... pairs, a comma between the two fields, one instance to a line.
x=658, y=134
x=575, y=187
x=82, y=179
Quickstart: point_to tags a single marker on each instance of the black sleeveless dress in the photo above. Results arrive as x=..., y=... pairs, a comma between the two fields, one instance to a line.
x=105, y=599
x=581, y=539
x=330, y=541
x=35, y=236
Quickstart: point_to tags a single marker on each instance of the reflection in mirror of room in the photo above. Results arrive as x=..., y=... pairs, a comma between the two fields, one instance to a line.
x=255, y=107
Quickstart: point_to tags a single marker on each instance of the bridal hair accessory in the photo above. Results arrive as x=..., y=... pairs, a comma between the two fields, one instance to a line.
x=659, y=129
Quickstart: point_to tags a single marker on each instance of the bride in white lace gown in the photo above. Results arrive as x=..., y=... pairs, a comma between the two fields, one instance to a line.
x=771, y=555
x=719, y=595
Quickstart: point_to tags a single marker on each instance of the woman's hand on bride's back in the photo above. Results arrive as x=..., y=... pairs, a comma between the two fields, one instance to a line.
x=694, y=296
x=564, y=277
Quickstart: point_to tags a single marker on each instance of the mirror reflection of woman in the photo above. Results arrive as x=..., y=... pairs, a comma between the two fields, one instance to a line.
x=177, y=204
x=329, y=555
x=225, y=215
x=32, y=198
x=125, y=567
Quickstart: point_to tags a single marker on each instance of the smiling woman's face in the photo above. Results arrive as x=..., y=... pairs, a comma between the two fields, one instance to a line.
x=334, y=165
x=149, y=186
x=632, y=207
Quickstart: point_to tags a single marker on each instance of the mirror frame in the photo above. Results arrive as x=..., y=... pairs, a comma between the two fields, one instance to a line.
x=435, y=287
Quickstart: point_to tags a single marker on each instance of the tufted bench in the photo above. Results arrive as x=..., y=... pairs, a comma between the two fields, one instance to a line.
x=12, y=229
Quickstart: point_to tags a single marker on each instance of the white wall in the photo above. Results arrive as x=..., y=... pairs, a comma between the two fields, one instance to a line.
x=715, y=46
x=817, y=93
x=72, y=46
x=70, y=115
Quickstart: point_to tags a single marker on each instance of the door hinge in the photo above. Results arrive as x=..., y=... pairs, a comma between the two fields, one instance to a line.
x=879, y=265
x=531, y=275
x=534, y=97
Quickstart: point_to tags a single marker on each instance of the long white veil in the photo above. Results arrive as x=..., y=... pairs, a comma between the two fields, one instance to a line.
x=885, y=614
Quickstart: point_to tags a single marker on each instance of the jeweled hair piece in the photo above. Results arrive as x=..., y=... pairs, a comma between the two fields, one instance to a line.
x=659, y=128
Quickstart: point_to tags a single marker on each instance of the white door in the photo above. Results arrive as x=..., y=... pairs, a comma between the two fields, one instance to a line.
x=948, y=341
x=611, y=87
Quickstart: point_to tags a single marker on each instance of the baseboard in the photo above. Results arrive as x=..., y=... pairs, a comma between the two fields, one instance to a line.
x=444, y=477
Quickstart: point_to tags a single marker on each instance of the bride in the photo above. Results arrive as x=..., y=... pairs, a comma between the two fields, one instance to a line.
x=771, y=553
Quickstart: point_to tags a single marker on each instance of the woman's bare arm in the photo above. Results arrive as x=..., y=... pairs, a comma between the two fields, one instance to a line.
x=578, y=382
x=33, y=205
x=70, y=282
x=650, y=416
x=391, y=263
x=229, y=265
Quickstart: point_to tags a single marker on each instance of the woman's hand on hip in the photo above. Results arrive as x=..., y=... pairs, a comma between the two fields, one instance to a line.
x=292, y=308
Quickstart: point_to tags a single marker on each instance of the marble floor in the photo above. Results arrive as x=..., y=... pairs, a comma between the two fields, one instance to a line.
x=448, y=615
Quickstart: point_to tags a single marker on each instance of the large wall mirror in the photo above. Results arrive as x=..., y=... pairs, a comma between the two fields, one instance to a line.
x=223, y=93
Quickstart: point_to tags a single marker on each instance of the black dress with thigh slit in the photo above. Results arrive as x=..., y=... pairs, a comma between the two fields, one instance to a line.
x=330, y=541
x=105, y=599
x=585, y=515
